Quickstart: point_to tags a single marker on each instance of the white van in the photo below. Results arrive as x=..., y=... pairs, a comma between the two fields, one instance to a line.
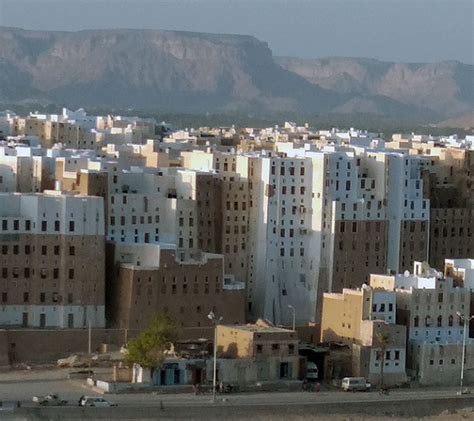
x=95, y=401
x=355, y=384
x=312, y=373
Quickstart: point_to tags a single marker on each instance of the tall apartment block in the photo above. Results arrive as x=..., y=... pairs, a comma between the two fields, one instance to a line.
x=52, y=260
x=448, y=175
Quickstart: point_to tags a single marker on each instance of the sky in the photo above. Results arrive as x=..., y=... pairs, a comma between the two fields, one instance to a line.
x=392, y=30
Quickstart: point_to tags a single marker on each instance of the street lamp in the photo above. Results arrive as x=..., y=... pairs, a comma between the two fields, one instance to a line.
x=215, y=321
x=466, y=320
x=294, y=315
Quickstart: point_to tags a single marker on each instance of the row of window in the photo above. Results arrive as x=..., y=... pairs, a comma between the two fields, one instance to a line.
x=243, y=229
x=27, y=272
x=428, y=298
x=388, y=355
x=44, y=250
x=276, y=348
x=354, y=226
x=134, y=220
x=185, y=289
x=291, y=170
x=28, y=225
x=453, y=232
x=441, y=362
x=428, y=321
x=355, y=246
x=291, y=252
x=368, y=206
x=381, y=307
x=243, y=206
x=55, y=297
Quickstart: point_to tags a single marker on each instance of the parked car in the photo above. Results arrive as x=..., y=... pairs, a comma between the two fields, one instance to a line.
x=94, y=401
x=312, y=372
x=355, y=384
x=49, y=400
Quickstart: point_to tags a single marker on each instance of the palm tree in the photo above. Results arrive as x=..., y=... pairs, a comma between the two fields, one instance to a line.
x=383, y=340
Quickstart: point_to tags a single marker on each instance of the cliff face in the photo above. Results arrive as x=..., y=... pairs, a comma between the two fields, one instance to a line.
x=149, y=69
x=194, y=72
x=445, y=88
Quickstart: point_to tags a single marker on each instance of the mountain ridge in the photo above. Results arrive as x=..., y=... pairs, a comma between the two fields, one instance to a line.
x=446, y=87
x=192, y=71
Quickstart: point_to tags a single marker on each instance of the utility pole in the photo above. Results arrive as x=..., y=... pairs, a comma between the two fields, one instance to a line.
x=89, y=347
x=466, y=320
x=215, y=321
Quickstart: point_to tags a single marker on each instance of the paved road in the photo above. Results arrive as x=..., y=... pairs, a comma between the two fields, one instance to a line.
x=274, y=407
x=404, y=402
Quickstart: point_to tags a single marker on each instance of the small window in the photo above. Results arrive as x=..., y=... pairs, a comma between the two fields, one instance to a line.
x=259, y=349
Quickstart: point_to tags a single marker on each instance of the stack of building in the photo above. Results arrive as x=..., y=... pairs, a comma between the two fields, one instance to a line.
x=248, y=223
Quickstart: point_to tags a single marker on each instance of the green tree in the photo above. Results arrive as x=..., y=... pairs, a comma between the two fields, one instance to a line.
x=383, y=340
x=148, y=348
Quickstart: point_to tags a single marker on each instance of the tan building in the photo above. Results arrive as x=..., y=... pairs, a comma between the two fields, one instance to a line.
x=146, y=280
x=257, y=352
x=360, y=319
x=257, y=340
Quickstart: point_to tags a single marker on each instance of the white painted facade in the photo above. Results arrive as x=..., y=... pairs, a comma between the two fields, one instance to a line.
x=384, y=306
x=51, y=213
x=59, y=316
x=395, y=360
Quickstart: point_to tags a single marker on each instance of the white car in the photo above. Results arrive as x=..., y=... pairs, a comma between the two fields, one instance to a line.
x=49, y=400
x=355, y=384
x=312, y=372
x=93, y=401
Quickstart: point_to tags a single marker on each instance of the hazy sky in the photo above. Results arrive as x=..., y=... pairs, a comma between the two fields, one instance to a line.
x=398, y=30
